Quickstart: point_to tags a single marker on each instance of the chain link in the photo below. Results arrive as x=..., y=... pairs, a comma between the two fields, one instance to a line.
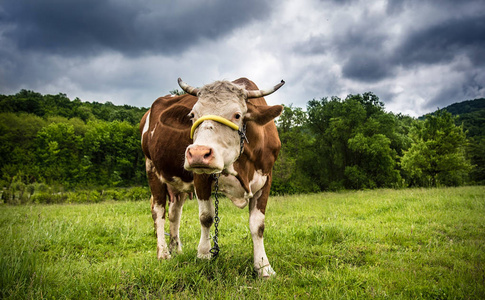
x=215, y=250
x=242, y=136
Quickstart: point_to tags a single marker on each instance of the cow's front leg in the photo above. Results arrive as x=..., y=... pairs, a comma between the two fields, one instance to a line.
x=257, y=207
x=176, y=204
x=206, y=217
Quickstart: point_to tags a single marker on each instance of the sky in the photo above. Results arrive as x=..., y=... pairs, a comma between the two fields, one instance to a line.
x=415, y=55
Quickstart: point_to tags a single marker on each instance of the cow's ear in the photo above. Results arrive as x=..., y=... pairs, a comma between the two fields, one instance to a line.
x=177, y=117
x=262, y=114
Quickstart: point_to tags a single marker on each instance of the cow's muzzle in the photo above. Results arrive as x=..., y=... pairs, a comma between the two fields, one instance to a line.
x=201, y=159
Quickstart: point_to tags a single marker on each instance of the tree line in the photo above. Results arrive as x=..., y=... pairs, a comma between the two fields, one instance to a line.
x=56, y=141
x=353, y=143
x=334, y=144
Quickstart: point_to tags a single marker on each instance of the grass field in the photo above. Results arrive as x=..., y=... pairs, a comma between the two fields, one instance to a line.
x=409, y=244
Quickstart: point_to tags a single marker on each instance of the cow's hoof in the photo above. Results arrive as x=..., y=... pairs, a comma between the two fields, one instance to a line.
x=175, y=247
x=204, y=255
x=163, y=254
x=266, y=272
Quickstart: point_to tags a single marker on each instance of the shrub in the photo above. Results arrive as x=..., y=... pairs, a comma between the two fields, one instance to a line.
x=49, y=198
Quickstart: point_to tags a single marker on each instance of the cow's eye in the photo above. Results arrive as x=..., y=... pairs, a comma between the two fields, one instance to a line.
x=237, y=116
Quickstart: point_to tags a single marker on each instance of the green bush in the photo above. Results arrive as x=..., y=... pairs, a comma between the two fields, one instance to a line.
x=86, y=196
x=112, y=194
x=138, y=193
x=49, y=198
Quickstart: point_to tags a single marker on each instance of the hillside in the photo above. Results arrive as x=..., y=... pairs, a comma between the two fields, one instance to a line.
x=466, y=107
x=471, y=114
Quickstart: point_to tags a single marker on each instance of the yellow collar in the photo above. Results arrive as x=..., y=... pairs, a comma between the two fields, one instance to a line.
x=213, y=118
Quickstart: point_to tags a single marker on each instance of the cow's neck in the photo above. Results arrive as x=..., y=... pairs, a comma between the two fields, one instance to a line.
x=242, y=168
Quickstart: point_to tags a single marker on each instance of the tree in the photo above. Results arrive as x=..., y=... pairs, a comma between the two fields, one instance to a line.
x=58, y=153
x=112, y=154
x=374, y=162
x=290, y=173
x=476, y=153
x=17, y=147
x=356, y=143
x=437, y=156
x=176, y=92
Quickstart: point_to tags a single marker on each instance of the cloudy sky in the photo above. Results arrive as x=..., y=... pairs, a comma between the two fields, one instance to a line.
x=416, y=55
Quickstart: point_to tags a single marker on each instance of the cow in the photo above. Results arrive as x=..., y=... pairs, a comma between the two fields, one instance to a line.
x=223, y=128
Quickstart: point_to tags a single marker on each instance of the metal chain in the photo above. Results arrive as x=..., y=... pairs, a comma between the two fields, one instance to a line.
x=215, y=250
x=242, y=135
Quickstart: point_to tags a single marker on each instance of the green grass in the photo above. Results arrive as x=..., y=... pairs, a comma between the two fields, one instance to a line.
x=399, y=244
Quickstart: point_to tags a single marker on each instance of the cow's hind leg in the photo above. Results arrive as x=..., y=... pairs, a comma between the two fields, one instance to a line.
x=158, y=215
x=158, y=202
x=257, y=206
x=176, y=204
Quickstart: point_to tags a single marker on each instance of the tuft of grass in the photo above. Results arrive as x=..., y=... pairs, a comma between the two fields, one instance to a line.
x=404, y=244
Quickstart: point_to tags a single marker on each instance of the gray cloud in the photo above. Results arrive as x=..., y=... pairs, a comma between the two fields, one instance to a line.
x=367, y=66
x=415, y=55
x=131, y=27
x=469, y=85
x=444, y=41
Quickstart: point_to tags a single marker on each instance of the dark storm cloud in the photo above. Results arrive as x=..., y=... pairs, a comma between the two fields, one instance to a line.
x=445, y=41
x=358, y=47
x=416, y=55
x=397, y=6
x=365, y=55
x=362, y=53
x=366, y=66
x=133, y=28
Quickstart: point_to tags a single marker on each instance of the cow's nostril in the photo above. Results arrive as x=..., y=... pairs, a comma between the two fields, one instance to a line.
x=208, y=154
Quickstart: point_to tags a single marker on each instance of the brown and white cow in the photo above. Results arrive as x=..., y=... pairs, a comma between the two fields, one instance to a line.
x=178, y=165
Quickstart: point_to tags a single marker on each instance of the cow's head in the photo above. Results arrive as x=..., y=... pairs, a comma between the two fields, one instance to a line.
x=219, y=117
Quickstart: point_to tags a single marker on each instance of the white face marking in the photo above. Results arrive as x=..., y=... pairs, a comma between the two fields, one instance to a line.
x=223, y=141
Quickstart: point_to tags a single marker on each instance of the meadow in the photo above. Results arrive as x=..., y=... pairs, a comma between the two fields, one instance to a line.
x=398, y=244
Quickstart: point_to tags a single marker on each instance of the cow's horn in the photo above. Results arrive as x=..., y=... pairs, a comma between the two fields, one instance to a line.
x=262, y=93
x=187, y=88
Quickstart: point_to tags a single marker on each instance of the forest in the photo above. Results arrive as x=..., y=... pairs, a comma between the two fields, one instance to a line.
x=353, y=143
x=333, y=144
